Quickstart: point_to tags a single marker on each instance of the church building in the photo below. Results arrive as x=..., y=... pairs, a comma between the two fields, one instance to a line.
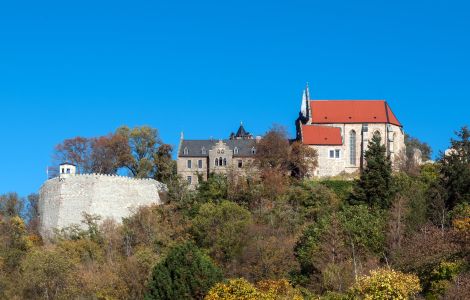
x=340, y=131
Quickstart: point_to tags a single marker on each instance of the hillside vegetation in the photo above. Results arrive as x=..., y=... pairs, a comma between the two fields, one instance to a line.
x=274, y=234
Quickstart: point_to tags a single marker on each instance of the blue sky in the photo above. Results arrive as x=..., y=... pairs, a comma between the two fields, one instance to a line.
x=71, y=68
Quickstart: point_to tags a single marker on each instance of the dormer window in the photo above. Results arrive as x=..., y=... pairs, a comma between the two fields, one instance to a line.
x=253, y=150
x=203, y=150
x=185, y=151
x=235, y=150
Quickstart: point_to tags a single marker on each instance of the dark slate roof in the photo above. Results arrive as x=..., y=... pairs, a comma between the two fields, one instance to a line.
x=195, y=147
x=242, y=132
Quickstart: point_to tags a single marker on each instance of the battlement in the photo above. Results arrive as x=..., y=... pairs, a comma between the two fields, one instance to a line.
x=63, y=199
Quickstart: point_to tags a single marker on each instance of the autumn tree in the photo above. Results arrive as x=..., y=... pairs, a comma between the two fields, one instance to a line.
x=375, y=186
x=77, y=151
x=186, y=273
x=386, y=284
x=222, y=228
x=275, y=152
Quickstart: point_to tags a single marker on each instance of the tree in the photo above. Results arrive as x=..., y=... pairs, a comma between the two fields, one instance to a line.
x=375, y=186
x=386, y=284
x=303, y=160
x=235, y=289
x=412, y=143
x=186, y=273
x=165, y=165
x=109, y=153
x=144, y=143
x=222, y=228
x=275, y=153
x=48, y=274
x=10, y=205
x=75, y=150
x=455, y=170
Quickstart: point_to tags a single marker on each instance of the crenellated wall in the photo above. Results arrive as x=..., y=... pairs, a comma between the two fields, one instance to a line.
x=62, y=200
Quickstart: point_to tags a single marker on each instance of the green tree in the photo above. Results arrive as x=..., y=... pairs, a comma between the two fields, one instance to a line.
x=222, y=228
x=455, y=170
x=186, y=273
x=375, y=186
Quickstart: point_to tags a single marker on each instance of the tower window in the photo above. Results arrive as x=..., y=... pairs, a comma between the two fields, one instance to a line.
x=352, y=147
x=220, y=161
x=68, y=170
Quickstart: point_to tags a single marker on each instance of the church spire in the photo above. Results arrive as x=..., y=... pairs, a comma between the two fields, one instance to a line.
x=305, y=106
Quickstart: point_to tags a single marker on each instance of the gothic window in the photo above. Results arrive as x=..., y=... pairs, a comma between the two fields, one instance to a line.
x=235, y=150
x=185, y=151
x=225, y=161
x=189, y=164
x=352, y=147
x=220, y=161
x=216, y=161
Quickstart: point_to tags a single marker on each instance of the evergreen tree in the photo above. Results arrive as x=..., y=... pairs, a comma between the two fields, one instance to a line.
x=455, y=170
x=186, y=273
x=375, y=185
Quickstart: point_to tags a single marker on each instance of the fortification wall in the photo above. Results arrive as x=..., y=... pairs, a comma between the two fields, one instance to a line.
x=62, y=200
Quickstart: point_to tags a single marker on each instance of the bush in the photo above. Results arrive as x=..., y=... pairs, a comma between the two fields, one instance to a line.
x=386, y=284
x=186, y=273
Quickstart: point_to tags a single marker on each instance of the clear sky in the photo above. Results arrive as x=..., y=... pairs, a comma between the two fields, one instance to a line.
x=70, y=68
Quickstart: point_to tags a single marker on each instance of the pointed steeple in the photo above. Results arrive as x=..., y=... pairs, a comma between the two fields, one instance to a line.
x=305, y=106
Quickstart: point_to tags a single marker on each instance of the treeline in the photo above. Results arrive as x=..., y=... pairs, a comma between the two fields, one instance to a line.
x=272, y=234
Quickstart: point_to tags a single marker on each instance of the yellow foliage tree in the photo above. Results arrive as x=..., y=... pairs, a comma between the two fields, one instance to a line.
x=240, y=289
x=386, y=284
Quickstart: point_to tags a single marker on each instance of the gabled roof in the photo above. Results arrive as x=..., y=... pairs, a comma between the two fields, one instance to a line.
x=195, y=147
x=352, y=111
x=321, y=135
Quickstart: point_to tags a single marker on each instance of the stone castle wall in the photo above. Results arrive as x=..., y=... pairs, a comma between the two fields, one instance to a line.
x=62, y=200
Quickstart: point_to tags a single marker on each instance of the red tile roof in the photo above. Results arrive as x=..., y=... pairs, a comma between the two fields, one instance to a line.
x=352, y=111
x=321, y=135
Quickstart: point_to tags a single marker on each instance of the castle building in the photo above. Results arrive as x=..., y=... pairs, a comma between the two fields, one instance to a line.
x=64, y=198
x=340, y=130
x=199, y=158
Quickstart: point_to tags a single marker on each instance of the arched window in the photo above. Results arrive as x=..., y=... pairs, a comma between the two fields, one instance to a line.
x=253, y=150
x=216, y=161
x=220, y=161
x=185, y=151
x=352, y=147
x=235, y=150
x=225, y=161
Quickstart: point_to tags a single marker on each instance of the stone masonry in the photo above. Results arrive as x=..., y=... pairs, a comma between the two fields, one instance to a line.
x=63, y=199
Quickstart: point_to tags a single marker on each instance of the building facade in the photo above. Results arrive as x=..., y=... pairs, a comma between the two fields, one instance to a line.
x=340, y=131
x=199, y=158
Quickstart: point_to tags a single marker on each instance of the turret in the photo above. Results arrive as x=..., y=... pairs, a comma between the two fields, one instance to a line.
x=67, y=169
